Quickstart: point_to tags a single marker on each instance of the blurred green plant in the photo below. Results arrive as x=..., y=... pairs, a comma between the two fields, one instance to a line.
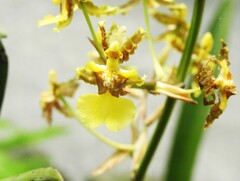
x=17, y=152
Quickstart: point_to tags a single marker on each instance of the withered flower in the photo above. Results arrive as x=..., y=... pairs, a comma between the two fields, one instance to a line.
x=220, y=86
x=50, y=99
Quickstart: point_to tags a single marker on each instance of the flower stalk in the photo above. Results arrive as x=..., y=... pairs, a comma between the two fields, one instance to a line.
x=158, y=69
x=89, y=23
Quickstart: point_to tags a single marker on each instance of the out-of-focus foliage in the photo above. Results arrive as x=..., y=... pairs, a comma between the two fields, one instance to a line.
x=17, y=152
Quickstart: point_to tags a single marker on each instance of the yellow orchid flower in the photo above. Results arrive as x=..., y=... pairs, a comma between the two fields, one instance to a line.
x=64, y=18
x=50, y=99
x=111, y=80
x=107, y=107
x=176, y=24
x=67, y=8
x=110, y=77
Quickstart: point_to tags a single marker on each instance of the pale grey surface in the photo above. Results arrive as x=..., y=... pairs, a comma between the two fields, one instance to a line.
x=34, y=51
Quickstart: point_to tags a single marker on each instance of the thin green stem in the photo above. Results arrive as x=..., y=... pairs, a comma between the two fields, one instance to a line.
x=96, y=43
x=107, y=141
x=190, y=42
x=157, y=67
x=163, y=119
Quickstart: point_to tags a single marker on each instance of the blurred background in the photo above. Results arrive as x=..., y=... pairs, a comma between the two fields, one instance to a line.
x=33, y=51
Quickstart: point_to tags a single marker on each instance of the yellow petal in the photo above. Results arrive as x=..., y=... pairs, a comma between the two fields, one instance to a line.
x=57, y=2
x=96, y=109
x=132, y=77
x=63, y=19
x=49, y=19
x=92, y=66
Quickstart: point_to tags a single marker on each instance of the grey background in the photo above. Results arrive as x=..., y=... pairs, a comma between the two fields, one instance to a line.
x=34, y=51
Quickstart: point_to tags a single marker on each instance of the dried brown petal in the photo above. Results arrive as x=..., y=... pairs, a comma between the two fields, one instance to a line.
x=220, y=86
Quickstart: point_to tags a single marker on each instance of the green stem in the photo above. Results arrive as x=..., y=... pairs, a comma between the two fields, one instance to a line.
x=158, y=69
x=163, y=119
x=96, y=134
x=190, y=42
x=96, y=43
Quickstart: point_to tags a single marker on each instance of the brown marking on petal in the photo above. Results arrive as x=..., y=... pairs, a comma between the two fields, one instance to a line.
x=114, y=55
x=101, y=88
x=104, y=37
x=130, y=45
x=221, y=85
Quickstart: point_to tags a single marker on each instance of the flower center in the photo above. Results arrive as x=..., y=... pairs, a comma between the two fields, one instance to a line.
x=109, y=79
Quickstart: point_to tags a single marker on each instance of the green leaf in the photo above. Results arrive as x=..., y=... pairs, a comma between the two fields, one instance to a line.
x=192, y=117
x=16, y=162
x=16, y=152
x=41, y=174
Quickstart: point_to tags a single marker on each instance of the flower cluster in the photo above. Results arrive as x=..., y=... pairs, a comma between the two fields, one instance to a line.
x=107, y=71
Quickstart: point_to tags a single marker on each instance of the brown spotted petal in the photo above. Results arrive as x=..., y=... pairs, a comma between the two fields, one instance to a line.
x=117, y=36
x=130, y=45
